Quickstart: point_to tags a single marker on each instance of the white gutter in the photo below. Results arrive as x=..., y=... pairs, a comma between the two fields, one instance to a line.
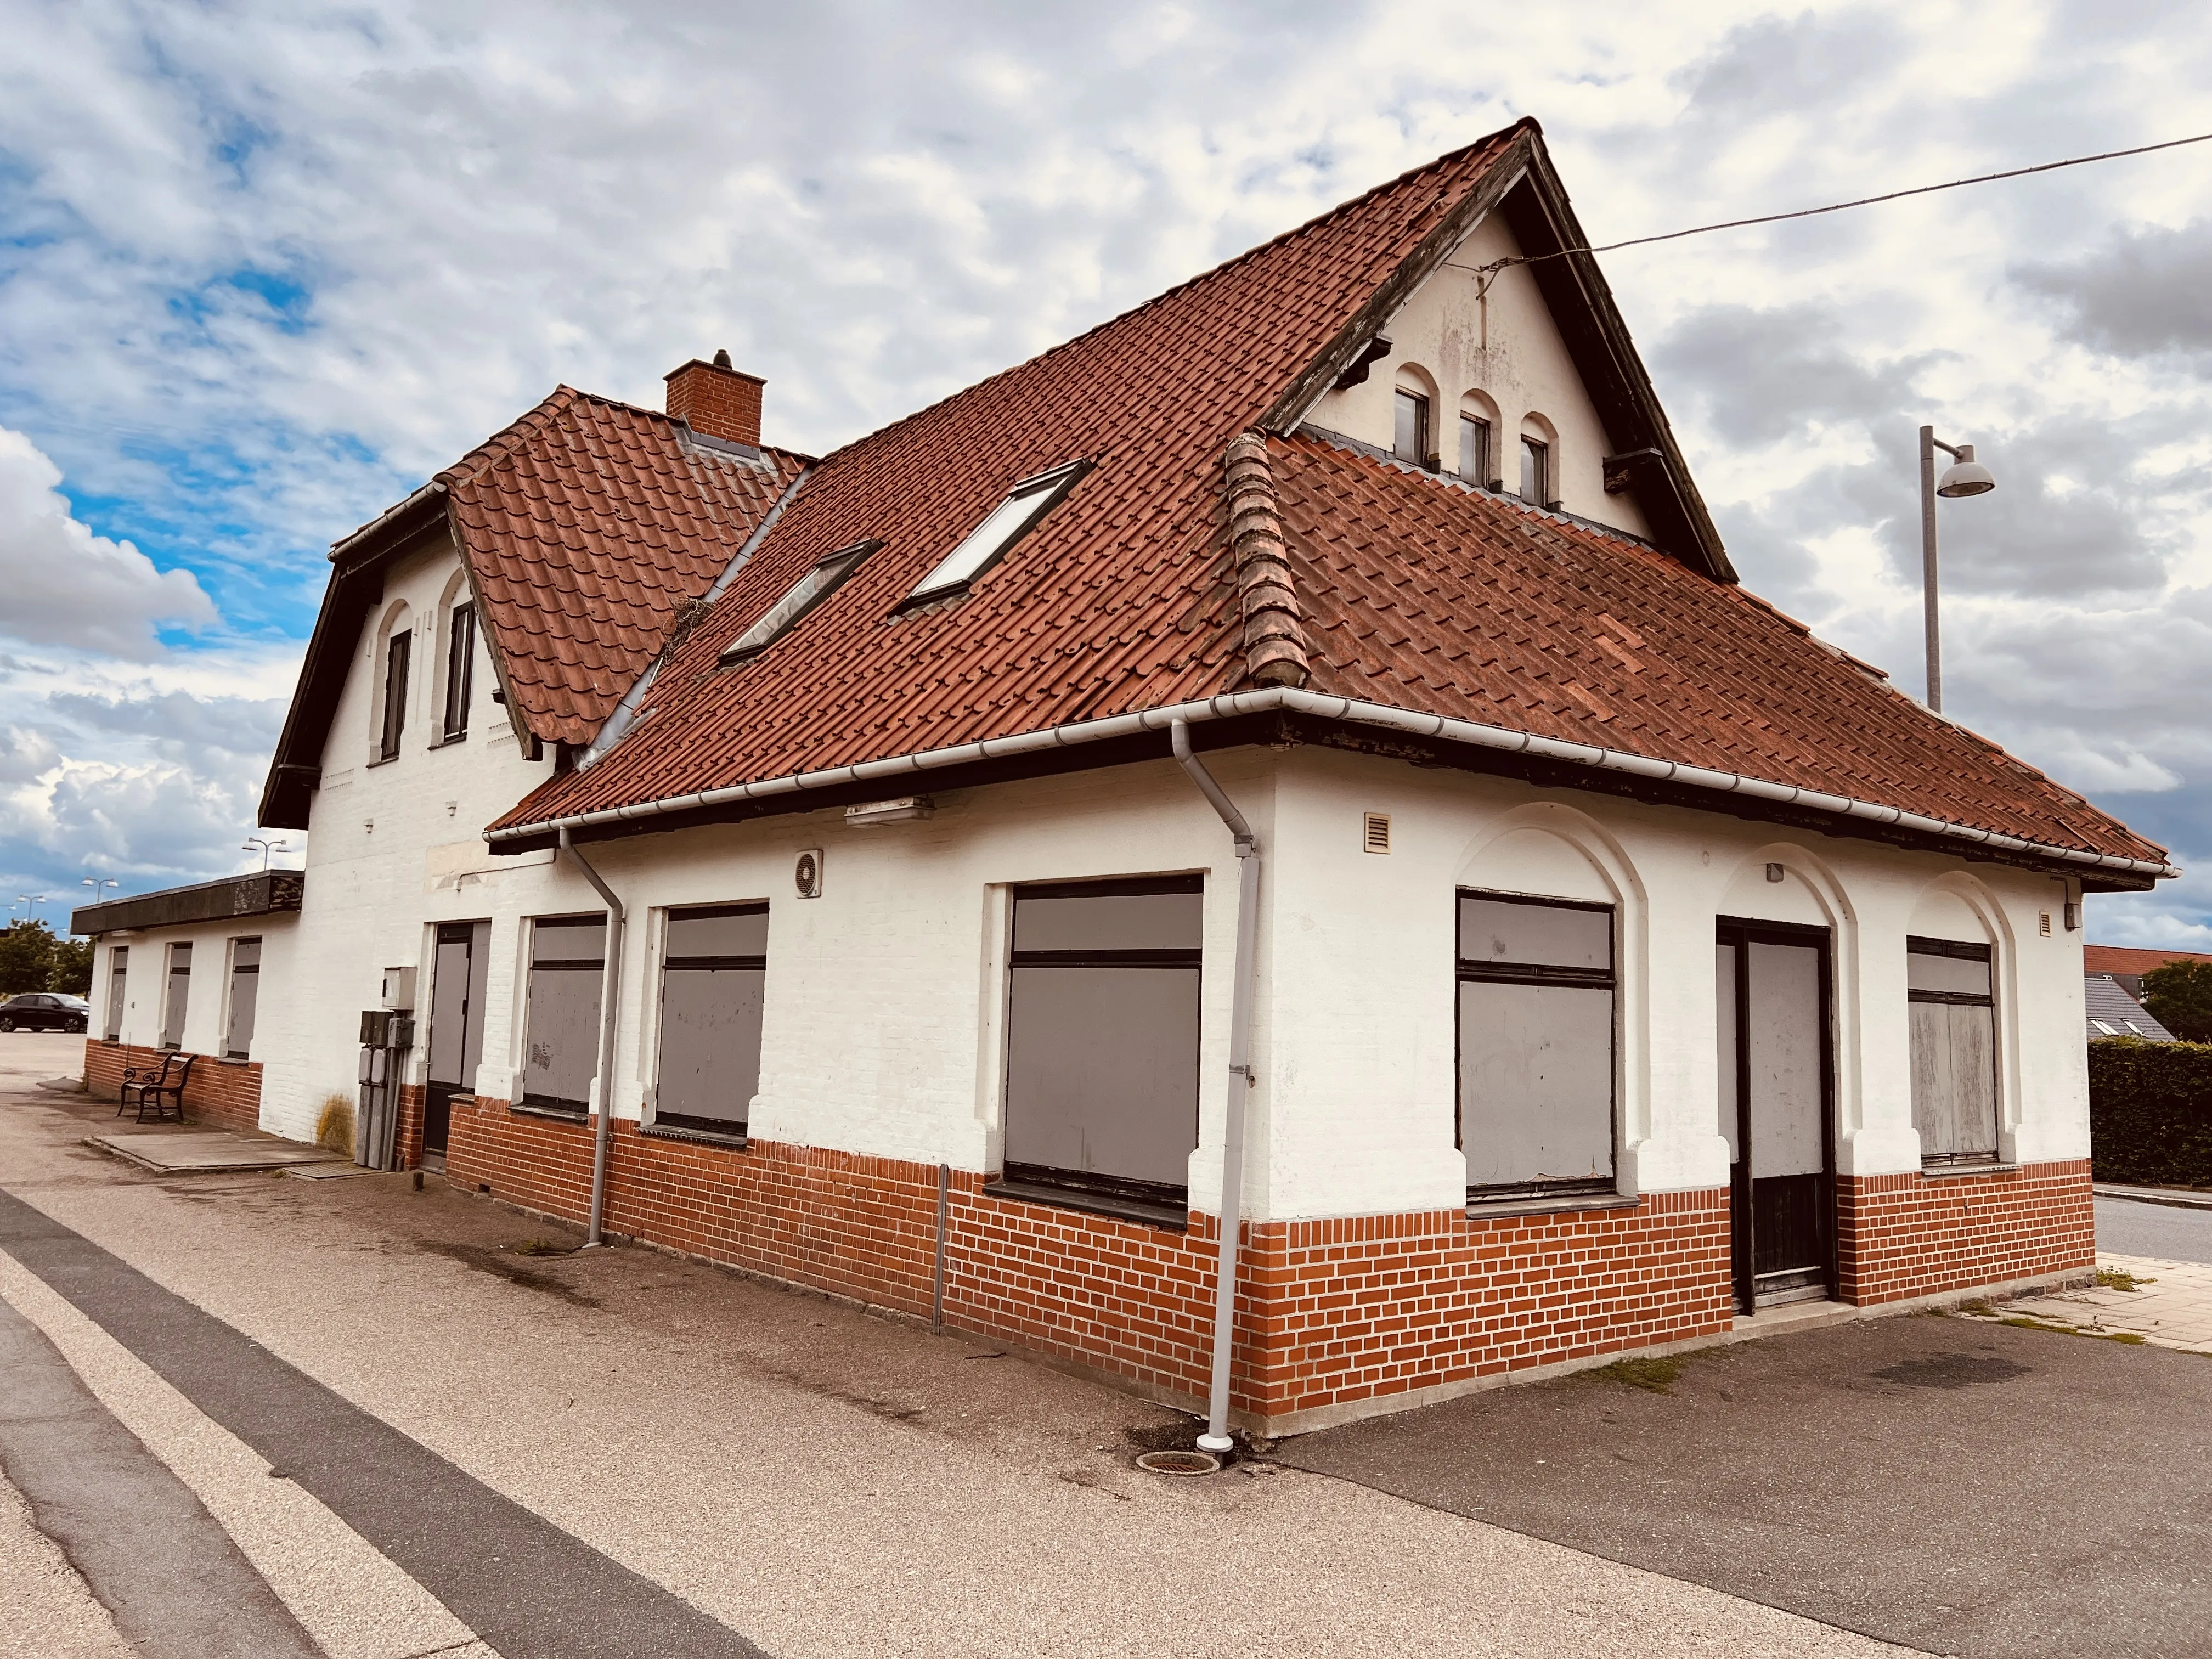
x=1217, y=1437
x=611, y=983
x=1289, y=700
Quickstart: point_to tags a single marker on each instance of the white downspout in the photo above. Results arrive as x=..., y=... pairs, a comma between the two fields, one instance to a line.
x=608, y=989
x=1217, y=1436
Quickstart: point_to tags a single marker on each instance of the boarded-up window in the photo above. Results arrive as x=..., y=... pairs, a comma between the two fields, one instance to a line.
x=713, y=973
x=118, y=972
x=1954, y=1049
x=244, y=995
x=567, y=958
x=1101, y=1036
x=176, y=996
x=1536, y=1045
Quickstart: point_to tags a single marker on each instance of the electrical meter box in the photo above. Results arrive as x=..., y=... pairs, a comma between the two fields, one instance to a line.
x=399, y=989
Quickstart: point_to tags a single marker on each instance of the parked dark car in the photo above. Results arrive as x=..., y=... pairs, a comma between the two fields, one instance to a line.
x=45, y=1011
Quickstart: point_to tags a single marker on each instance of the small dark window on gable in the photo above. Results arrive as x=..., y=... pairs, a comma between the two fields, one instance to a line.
x=1536, y=472
x=460, y=663
x=1412, y=440
x=1474, y=449
x=396, y=651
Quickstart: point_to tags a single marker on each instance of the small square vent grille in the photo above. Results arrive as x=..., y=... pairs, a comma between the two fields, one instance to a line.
x=1374, y=832
x=2043, y=923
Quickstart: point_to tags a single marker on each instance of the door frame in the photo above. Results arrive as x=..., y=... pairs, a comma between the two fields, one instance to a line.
x=437, y=1097
x=1743, y=931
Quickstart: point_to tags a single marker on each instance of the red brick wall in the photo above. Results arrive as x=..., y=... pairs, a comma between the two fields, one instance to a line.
x=225, y=1094
x=407, y=1134
x=1912, y=1235
x=1329, y=1312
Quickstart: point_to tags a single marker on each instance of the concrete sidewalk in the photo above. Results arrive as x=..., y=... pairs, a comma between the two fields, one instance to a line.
x=814, y=1479
x=2166, y=1303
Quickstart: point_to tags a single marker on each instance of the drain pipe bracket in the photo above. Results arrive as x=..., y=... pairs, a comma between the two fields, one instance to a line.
x=1217, y=1437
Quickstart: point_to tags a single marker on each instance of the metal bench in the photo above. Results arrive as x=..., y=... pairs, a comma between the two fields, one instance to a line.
x=161, y=1086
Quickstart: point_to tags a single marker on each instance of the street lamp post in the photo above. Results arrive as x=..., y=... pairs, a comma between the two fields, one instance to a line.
x=99, y=885
x=266, y=846
x=1965, y=477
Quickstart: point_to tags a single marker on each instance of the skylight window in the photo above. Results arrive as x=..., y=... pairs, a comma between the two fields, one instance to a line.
x=809, y=590
x=1005, y=524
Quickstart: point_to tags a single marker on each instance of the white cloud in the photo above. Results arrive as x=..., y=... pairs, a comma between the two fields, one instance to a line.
x=65, y=585
x=276, y=263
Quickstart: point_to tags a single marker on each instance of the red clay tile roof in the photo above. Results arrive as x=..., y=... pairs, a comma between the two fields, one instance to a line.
x=2121, y=959
x=1423, y=594
x=588, y=523
x=1119, y=599
x=1418, y=593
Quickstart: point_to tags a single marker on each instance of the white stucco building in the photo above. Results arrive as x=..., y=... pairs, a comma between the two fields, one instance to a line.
x=1341, y=629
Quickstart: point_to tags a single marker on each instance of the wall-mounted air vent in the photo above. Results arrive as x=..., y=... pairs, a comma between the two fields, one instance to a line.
x=1374, y=832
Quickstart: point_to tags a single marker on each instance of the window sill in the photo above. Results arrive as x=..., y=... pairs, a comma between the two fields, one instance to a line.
x=578, y=1115
x=1490, y=1208
x=1988, y=1166
x=736, y=1143
x=234, y=1059
x=1070, y=1197
x=381, y=760
x=450, y=739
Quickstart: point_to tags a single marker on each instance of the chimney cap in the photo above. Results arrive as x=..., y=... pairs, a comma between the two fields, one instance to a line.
x=722, y=358
x=720, y=366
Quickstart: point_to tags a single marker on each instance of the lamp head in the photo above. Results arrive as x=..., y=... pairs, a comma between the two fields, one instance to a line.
x=1967, y=476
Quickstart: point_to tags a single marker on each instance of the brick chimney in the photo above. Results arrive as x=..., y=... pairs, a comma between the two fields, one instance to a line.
x=717, y=399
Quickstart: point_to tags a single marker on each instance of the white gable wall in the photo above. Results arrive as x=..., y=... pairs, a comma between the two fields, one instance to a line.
x=394, y=846
x=1503, y=353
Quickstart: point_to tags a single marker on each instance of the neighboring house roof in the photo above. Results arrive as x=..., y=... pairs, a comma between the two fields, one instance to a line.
x=589, y=526
x=2124, y=959
x=1401, y=588
x=2113, y=1013
x=261, y=893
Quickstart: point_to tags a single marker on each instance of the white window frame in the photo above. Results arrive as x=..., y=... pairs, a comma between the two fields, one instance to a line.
x=1010, y=520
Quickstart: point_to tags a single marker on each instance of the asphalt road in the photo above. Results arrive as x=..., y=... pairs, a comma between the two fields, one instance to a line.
x=374, y=1391
x=1961, y=1487
x=2128, y=1227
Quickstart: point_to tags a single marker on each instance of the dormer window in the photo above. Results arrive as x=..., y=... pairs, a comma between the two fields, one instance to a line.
x=809, y=590
x=1005, y=524
x=1412, y=439
x=1535, y=471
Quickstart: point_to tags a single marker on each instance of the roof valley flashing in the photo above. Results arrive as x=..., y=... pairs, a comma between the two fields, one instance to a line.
x=1210, y=560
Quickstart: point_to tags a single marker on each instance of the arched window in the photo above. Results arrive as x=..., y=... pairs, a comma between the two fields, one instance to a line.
x=1415, y=437
x=395, y=651
x=1540, y=469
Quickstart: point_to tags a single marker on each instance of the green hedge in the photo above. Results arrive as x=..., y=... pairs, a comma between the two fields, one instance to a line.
x=2150, y=1112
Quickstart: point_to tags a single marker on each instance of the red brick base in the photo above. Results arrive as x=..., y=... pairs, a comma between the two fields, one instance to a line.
x=1914, y=1234
x=1330, y=1313
x=407, y=1134
x=225, y=1093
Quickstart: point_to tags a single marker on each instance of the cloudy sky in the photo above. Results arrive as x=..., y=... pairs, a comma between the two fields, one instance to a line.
x=264, y=267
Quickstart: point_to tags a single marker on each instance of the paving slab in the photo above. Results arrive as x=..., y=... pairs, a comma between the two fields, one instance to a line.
x=2136, y=1298
x=207, y=1151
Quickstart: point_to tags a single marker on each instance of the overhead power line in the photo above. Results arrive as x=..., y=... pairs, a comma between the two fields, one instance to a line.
x=1840, y=207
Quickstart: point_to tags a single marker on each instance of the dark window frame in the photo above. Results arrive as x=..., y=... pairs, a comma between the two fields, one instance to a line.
x=252, y=970
x=118, y=979
x=1478, y=429
x=1164, y=1201
x=460, y=669
x=1963, y=951
x=1536, y=468
x=398, y=651
x=560, y=1105
x=732, y=1128
x=1466, y=970
x=1424, y=413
